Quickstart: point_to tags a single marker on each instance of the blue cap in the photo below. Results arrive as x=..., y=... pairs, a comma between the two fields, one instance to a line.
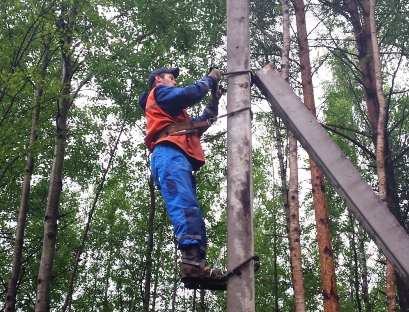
x=157, y=72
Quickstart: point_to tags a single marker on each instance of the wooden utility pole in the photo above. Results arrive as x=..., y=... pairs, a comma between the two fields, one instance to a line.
x=240, y=241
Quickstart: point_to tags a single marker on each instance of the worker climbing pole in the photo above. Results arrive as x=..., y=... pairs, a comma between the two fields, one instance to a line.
x=240, y=241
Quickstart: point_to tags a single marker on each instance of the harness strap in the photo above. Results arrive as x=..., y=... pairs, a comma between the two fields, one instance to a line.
x=182, y=128
x=189, y=236
x=198, y=264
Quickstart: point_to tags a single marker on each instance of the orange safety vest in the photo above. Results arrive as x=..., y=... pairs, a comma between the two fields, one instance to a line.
x=157, y=120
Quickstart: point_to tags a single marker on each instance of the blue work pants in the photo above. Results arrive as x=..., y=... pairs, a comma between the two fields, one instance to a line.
x=172, y=173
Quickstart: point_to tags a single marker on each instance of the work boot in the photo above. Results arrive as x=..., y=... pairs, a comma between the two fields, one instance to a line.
x=195, y=274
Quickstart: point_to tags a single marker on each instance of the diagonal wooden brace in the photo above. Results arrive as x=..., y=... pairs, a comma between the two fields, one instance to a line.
x=377, y=220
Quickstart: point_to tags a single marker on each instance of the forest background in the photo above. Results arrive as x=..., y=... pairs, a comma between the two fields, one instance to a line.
x=73, y=161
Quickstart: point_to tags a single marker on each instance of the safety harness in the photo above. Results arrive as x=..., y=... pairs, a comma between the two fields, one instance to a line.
x=184, y=128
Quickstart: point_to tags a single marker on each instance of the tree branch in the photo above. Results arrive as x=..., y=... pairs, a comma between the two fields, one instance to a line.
x=353, y=141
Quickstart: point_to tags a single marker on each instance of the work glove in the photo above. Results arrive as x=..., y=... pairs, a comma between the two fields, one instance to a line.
x=212, y=108
x=216, y=74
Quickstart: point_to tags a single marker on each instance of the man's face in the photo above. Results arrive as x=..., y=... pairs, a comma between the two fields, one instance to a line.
x=167, y=80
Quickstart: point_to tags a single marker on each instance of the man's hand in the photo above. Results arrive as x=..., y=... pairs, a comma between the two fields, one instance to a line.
x=216, y=74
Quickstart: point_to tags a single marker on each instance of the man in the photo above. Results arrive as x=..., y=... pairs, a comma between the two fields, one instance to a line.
x=174, y=140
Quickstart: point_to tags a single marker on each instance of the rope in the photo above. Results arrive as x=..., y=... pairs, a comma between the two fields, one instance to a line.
x=237, y=269
x=217, y=262
x=229, y=114
x=238, y=72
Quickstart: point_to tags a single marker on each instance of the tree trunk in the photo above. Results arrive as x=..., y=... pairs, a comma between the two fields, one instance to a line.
x=357, y=289
x=364, y=46
x=51, y=215
x=380, y=146
x=292, y=192
x=295, y=233
x=292, y=216
x=149, y=248
x=284, y=194
x=105, y=305
x=280, y=150
x=275, y=265
x=329, y=287
x=364, y=273
x=202, y=301
x=362, y=35
x=390, y=287
x=52, y=210
x=22, y=215
x=194, y=300
x=175, y=276
x=155, y=288
x=283, y=170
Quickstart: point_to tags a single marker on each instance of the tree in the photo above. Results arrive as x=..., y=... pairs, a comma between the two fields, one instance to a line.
x=102, y=44
x=52, y=211
x=21, y=223
x=380, y=145
x=362, y=68
x=114, y=47
x=293, y=215
x=146, y=297
x=330, y=293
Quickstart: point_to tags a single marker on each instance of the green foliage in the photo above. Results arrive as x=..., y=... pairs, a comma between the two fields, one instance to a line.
x=265, y=34
x=115, y=45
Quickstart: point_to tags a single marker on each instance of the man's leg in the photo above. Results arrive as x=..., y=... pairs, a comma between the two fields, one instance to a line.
x=202, y=223
x=172, y=173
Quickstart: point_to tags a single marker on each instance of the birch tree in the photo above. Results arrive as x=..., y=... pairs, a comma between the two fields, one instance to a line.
x=380, y=145
x=53, y=201
x=293, y=215
x=22, y=216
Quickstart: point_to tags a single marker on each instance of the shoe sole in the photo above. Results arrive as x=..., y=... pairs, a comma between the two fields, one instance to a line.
x=204, y=283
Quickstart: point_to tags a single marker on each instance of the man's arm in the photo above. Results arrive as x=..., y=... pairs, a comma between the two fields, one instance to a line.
x=212, y=108
x=173, y=100
x=210, y=111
